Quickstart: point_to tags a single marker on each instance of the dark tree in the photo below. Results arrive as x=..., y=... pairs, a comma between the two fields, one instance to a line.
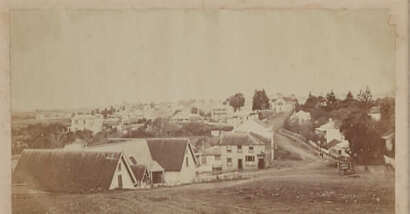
x=364, y=140
x=331, y=101
x=260, y=100
x=237, y=101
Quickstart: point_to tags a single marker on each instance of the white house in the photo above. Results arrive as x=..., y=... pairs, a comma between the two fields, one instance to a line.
x=242, y=151
x=375, y=113
x=300, y=116
x=93, y=123
x=331, y=131
x=338, y=148
x=177, y=158
x=283, y=104
x=210, y=160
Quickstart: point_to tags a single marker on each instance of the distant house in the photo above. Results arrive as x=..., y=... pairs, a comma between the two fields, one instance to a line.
x=186, y=117
x=301, y=117
x=221, y=113
x=331, y=131
x=74, y=171
x=86, y=122
x=284, y=104
x=389, y=140
x=338, y=148
x=177, y=158
x=375, y=113
x=242, y=151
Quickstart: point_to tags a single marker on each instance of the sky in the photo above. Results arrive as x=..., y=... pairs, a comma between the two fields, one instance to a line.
x=78, y=58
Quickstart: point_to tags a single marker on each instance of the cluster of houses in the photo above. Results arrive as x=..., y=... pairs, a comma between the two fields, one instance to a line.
x=129, y=163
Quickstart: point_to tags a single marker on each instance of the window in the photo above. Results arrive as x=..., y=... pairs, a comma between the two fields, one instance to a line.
x=228, y=149
x=133, y=161
x=250, y=158
x=187, y=162
x=239, y=148
x=229, y=161
x=217, y=157
x=250, y=148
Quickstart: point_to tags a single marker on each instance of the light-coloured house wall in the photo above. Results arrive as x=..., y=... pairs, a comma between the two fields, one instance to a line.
x=185, y=175
x=127, y=182
x=237, y=154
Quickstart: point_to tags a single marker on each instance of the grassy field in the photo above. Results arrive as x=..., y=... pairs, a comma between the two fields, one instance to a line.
x=313, y=188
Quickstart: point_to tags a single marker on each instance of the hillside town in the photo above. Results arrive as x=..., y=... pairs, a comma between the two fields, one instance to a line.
x=156, y=145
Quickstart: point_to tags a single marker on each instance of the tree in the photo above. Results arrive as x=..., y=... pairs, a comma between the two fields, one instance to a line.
x=260, y=100
x=349, y=97
x=331, y=101
x=237, y=101
x=364, y=140
x=365, y=98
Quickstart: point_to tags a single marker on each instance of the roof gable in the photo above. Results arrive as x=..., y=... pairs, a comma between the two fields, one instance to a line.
x=168, y=152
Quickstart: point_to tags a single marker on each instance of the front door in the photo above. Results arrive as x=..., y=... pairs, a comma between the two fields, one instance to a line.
x=240, y=164
x=261, y=163
x=120, y=181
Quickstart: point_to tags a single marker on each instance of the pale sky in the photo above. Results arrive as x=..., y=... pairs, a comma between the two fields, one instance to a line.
x=64, y=59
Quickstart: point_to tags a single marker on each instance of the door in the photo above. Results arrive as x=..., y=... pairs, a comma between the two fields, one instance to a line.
x=261, y=163
x=119, y=181
x=240, y=164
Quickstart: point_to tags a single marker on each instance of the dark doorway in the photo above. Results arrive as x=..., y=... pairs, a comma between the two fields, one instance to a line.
x=119, y=181
x=240, y=167
x=156, y=177
x=261, y=163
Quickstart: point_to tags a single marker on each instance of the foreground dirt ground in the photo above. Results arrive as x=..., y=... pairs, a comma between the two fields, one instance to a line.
x=303, y=187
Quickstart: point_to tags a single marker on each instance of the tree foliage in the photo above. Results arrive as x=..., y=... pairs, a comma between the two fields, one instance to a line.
x=260, y=100
x=236, y=101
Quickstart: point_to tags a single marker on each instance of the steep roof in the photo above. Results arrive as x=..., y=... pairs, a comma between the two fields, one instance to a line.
x=169, y=152
x=67, y=171
x=238, y=138
x=139, y=171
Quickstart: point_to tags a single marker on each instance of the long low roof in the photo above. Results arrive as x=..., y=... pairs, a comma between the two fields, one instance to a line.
x=67, y=171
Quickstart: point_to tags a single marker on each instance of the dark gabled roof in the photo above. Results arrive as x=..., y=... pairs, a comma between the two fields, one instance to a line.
x=238, y=138
x=139, y=171
x=168, y=152
x=66, y=171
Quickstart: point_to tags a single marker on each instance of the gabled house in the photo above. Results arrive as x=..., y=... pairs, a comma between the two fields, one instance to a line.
x=283, y=104
x=74, y=171
x=331, y=131
x=138, y=154
x=389, y=141
x=242, y=151
x=177, y=158
x=210, y=160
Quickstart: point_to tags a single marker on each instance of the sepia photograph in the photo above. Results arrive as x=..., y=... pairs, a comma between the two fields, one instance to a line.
x=207, y=111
